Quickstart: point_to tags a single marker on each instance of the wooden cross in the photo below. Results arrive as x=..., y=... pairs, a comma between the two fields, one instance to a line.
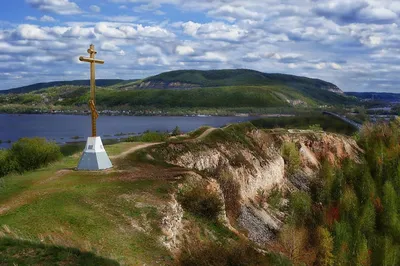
x=92, y=101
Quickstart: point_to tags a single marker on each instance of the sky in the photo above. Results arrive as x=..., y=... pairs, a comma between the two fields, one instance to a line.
x=353, y=43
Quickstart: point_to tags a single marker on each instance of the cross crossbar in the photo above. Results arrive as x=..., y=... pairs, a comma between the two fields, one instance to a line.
x=91, y=60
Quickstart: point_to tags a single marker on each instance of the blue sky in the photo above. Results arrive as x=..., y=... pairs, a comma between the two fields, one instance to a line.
x=352, y=43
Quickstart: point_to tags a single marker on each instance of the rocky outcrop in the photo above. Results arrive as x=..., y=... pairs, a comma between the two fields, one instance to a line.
x=165, y=85
x=256, y=166
x=171, y=225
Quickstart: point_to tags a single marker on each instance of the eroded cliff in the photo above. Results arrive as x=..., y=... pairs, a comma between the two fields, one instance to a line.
x=247, y=164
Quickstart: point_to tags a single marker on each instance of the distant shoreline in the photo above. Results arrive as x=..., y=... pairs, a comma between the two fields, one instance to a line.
x=156, y=115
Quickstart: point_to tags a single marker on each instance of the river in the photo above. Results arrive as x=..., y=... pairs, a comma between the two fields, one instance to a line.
x=68, y=128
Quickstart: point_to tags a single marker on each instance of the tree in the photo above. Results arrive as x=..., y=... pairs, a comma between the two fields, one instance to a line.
x=299, y=207
x=390, y=217
x=349, y=203
x=325, y=248
x=291, y=155
x=293, y=243
x=176, y=131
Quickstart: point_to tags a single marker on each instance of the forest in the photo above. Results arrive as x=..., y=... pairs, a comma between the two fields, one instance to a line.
x=352, y=214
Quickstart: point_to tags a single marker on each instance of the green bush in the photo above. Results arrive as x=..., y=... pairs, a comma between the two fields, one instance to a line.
x=201, y=202
x=292, y=157
x=7, y=165
x=176, y=131
x=299, y=207
x=315, y=127
x=33, y=153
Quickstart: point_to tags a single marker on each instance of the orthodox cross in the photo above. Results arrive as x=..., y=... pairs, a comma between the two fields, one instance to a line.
x=92, y=101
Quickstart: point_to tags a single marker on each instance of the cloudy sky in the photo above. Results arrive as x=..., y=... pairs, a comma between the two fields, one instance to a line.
x=352, y=43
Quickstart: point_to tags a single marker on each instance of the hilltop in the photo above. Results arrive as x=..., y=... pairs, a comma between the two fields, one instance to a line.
x=232, y=77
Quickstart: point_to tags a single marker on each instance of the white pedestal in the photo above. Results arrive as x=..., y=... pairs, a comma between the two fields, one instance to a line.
x=94, y=156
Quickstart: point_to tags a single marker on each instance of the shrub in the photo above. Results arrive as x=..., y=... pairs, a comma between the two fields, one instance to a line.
x=176, y=131
x=7, y=165
x=315, y=127
x=299, y=207
x=33, y=153
x=292, y=157
x=201, y=202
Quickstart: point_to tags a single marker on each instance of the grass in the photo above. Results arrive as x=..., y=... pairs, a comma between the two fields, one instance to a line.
x=113, y=147
x=197, y=133
x=19, y=252
x=102, y=213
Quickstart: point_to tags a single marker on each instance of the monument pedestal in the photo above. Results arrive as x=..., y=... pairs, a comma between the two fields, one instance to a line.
x=94, y=156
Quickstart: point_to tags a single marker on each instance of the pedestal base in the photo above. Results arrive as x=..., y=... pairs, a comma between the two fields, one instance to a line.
x=94, y=156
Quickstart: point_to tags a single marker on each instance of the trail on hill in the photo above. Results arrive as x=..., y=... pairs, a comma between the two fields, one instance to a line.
x=206, y=133
x=29, y=196
x=133, y=149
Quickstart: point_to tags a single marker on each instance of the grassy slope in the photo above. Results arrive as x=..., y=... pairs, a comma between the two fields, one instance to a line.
x=19, y=252
x=89, y=211
x=114, y=214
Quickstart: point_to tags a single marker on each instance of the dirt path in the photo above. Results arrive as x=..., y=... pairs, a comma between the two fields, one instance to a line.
x=146, y=145
x=29, y=196
x=133, y=149
x=206, y=133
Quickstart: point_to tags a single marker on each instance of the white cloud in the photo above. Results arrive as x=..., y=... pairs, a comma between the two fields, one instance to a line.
x=30, y=18
x=191, y=27
x=184, y=50
x=77, y=32
x=147, y=7
x=8, y=48
x=32, y=32
x=214, y=30
x=62, y=7
x=110, y=32
x=235, y=12
x=46, y=18
x=320, y=65
x=95, y=8
x=121, y=18
x=109, y=46
x=211, y=57
x=336, y=66
x=148, y=60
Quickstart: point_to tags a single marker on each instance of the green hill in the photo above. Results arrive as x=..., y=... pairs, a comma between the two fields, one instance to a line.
x=218, y=89
x=238, y=77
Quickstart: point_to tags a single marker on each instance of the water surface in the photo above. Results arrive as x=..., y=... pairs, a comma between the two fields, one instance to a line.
x=62, y=128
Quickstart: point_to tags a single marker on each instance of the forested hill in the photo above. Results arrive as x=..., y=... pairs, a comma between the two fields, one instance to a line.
x=184, y=89
x=44, y=85
x=232, y=77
